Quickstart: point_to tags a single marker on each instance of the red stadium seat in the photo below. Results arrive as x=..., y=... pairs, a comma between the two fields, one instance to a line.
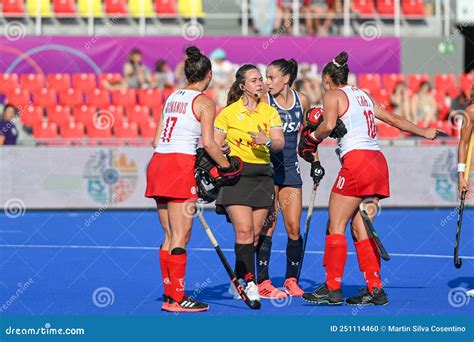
x=98, y=98
x=64, y=7
x=84, y=82
x=138, y=114
x=364, y=7
x=385, y=131
x=61, y=115
x=446, y=83
x=370, y=82
x=157, y=113
x=59, y=82
x=13, y=7
x=109, y=78
x=383, y=97
x=415, y=80
x=166, y=7
x=116, y=112
x=113, y=7
x=45, y=98
x=148, y=129
x=150, y=97
x=167, y=92
x=8, y=82
x=124, y=97
x=31, y=116
x=442, y=102
x=18, y=97
x=126, y=130
x=98, y=133
x=72, y=130
x=32, y=82
x=45, y=130
x=84, y=114
x=70, y=97
x=386, y=7
x=413, y=7
x=390, y=81
x=466, y=81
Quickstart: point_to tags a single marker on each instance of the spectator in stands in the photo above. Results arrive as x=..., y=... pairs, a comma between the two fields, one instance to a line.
x=284, y=21
x=179, y=76
x=8, y=130
x=309, y=84
x=136, y=74
x=263, y=14
x=163, y=77
x=222, y=75
x=400, y=101
x=319, y=26
x=423, y=105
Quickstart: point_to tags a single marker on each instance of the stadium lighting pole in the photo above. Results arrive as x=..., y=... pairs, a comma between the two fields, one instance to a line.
x=245, y=17
x=347, y=28
x=396, y=27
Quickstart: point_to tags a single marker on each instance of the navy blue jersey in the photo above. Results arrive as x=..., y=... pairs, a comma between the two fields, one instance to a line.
x=285, y=162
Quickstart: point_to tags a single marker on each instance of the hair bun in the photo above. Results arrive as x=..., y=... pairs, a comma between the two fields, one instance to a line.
x=193, y=53
x=342, y=58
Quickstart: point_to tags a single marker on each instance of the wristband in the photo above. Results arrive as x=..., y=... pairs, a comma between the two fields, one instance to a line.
x=269, y=143
x=461, y=167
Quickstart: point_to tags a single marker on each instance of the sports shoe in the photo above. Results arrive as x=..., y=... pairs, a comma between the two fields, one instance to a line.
x=251, y=289
x=166, y=300
x=322, y=295
x=470, y=293
x=188, y=304
x=365, y=297
x=268, y=291
x=292, y=288
x=233, y=291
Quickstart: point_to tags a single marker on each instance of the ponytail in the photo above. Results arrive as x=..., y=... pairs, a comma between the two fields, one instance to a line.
x=235, y=92
x=338, y=69
x=287, y=67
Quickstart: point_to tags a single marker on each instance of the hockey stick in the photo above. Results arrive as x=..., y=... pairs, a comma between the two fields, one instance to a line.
x=457, y=259
x=372, y=233
x=250, y=303
x=307, y=224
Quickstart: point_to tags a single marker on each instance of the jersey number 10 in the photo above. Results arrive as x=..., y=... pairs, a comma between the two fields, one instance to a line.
x=369, y=117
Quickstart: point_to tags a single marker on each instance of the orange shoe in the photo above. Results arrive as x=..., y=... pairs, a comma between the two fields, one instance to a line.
x=292, y=288
x=268, y=291
x=166, y=301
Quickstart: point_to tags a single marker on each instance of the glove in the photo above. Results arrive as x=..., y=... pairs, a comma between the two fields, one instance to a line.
x=317, y=171
x=314, y=117
x=228, y=175
x=307, y=145
x=339, y=131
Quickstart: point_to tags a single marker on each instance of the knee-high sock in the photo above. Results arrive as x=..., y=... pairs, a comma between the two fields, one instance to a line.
x=335, y=255
x=294, y=250
x=177, y=270
x=245, y=261
x=264, y=250
x=369, y=262
x=163, y=255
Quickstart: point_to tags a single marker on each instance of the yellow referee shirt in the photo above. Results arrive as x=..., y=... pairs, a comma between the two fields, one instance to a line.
x=236, y=121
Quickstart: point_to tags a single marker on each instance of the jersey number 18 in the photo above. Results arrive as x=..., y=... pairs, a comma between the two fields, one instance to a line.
x=369, y=117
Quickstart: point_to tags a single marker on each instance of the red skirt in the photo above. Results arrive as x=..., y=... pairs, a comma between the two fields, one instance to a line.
x=364, y=173
x=171, y=176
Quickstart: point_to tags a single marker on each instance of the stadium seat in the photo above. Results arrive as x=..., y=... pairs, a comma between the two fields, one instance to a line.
x=64, y=7
x=61, y=115
x=110, y=78
x=126, y=130
x=116, y=111
x=32, y=82
x=446, y=83
x=413, y=7
x=41, y=7
x=18, y=97
x=124, y=97
x=415, y=80
x=157, y=113
x=138, y=114
x=70, y=97
x=466, y=81
x=383, y=97
x=442, y=102
x=84, y=82
x=96, y=133
x=83, y=114
x=385, y=131
x=8, y=82
x=390, y=81
x=45, y=98
x=32, y=116
x=45, y=130
x=148, y=129
x=166, y=93
x=370, y=82
x=72, y=130
x=115, y=7
x=150, y=97
x=13, y=7
x=363, y=7
x=386, y=7
x=88, y=8
x=59, y=82
x=191, y=8
x=138, y=8
x=98, y=98
x=166, y=7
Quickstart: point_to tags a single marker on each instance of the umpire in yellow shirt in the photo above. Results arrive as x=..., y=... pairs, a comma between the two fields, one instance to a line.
x=251, y=128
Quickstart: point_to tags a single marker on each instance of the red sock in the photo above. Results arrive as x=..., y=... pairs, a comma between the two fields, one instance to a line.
x=177, y=269
x=335, y=255
x=369, y=262
x=163, y=255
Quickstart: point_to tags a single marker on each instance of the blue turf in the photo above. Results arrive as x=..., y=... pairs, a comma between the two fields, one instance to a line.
x=64, y=278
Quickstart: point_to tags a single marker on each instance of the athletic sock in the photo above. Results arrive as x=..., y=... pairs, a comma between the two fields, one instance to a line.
x=294, y=250
x=177, y=270
x=369, y=262
x=335, y=255
x=245, y=261
x=163, y=255
x=264, y=250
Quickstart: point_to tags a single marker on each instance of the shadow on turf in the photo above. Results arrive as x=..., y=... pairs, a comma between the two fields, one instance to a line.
x=466, y=282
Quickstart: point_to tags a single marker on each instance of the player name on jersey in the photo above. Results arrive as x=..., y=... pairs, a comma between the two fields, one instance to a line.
x=176, y=107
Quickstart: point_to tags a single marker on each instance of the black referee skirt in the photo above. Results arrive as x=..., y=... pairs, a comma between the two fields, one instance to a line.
x=255, y=188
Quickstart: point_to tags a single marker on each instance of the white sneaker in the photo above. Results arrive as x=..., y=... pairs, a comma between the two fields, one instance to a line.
x=470, y=293
x=252, y=291
x=233, y=291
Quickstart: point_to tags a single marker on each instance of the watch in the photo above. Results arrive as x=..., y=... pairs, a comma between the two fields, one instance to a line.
x=269, y=143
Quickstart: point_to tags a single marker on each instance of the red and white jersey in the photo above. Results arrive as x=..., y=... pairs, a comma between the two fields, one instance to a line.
x=181, y=128
x=359, y=119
